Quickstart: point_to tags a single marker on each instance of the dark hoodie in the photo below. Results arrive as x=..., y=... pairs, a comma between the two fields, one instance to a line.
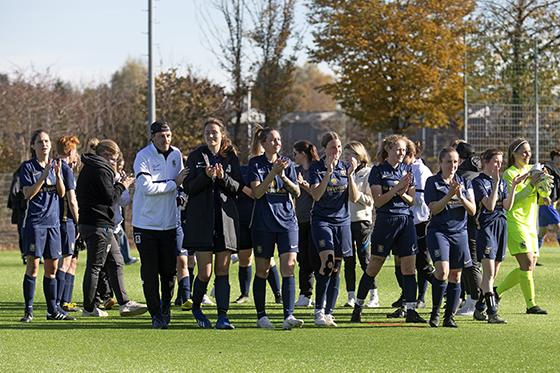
x=97, y=191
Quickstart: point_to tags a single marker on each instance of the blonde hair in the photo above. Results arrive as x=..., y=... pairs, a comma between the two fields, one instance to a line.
x=104, y=146
x=360, y=150
x=388, y=143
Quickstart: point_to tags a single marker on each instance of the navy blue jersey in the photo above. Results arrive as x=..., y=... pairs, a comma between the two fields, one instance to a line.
x=387, y=177
x=304, y=203
x=69, y=184
x=244, y=202
x=43, y=208
x=273, y=212
x=453, y=218
x=482, y=187
x=333, y=205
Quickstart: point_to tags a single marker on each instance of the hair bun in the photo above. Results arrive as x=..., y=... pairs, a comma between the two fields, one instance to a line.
x=92, y=143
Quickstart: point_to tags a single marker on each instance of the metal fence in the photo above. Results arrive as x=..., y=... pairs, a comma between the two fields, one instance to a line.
x=497, y=125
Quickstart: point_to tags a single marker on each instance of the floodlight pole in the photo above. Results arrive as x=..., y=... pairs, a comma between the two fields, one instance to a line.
x=537, y=147
x=151, y=99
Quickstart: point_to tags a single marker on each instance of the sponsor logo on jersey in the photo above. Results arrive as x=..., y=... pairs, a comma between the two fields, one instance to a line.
x=322, y=243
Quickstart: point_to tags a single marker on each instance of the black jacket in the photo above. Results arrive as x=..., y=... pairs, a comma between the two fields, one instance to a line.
x=97, y=192
x=199, y=214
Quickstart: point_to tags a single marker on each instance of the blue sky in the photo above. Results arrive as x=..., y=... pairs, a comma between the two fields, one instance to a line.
x=86, y=41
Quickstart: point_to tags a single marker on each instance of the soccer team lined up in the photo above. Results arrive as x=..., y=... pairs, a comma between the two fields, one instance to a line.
x=316, y=211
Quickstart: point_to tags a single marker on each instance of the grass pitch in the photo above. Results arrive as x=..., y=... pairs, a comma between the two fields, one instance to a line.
x=527, y=343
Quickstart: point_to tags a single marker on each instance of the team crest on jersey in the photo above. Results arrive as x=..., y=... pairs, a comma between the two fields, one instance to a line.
x=380, y=248
x=343, y=172
x=523, y=244
x=259, y=249
x=487, y=250
x=137, y=238
x=32, y=247
x=334, y=181
x=174, y=163
x=322, y=243
x=437, y=253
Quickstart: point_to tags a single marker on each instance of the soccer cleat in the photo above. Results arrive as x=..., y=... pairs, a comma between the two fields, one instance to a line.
x=303, y=301
x=178, y=301
x=420, y=304
x=413, y=317
x=223, y=323
x=132, y=261
x=234, y=258
x=28, y=317
x=206, y=301
x=496, y=319
x=397, y=314
x=434, y=319
x=330, y=320
x=291, y=322
x=201, y=319
x=109, y=303
x=187, y=306
x=467, y=308
x=320, y=319
x=480, y=315
x=265, y=323
x=132, y=308
x=536, y=310
x=60, y=316
x=373, y=299
x=158, y=322
x=95, y=313
x=70, y=307
x=278, y=298
x=449, y=322
x=241, y=299
x=166, y=312
x=356, y=315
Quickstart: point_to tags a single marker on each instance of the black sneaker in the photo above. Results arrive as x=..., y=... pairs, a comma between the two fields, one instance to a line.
x=397, y=314
x=356, y=315
x=278, y=298
x=536, y=310
x=434, y=320
x=242, y=299
x=28, y=317
x=480, y=315
x=449, y=322
x=60, y=316
x=413, y=317
x=496, y=319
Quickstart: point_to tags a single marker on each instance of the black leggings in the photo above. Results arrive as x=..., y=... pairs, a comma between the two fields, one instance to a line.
x=361, y=247
x=308, y=260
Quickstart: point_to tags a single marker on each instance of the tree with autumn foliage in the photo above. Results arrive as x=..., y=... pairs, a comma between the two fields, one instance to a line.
x=398, y=63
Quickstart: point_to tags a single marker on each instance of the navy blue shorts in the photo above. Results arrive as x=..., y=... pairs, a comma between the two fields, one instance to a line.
x=491, y=241
x=548, y=215
x=42, y=242
x=332, y=237
x=393, y=232
x=180, y=250
x=265, y=242
x=449, y=247
x=245, y=237
x=68, y=237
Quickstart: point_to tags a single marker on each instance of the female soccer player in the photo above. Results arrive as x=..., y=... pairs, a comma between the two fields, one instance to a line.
x=274, y=183
x=450, y=199
x=212, y=219
x=332, y=186
x=492, y=200
x=43, y=186
x=66, y=150
x=522, y=223
x=392, y=187
x=245, y=205
x=361, y=216
x=305, y=153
